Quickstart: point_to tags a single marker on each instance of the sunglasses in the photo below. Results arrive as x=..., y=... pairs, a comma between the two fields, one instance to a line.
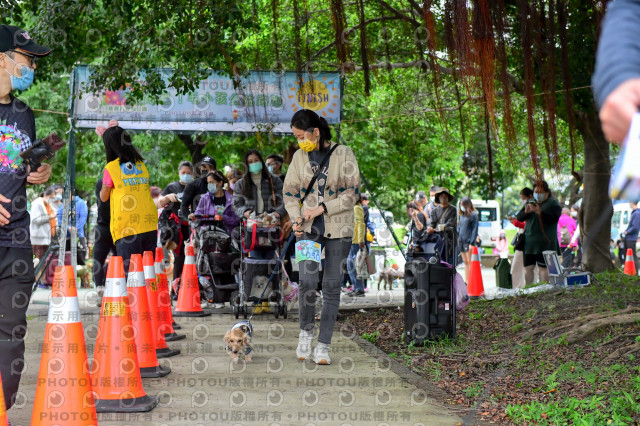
x=32, y=58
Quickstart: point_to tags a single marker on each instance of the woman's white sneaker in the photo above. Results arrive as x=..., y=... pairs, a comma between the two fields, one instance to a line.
x=303, y=351
x=321, y=354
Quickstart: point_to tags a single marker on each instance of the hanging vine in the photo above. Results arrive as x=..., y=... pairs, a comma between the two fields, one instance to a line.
x=298, y=43
x=484, y=43
x=525, y=23
x=339, y=22
x=364, y=50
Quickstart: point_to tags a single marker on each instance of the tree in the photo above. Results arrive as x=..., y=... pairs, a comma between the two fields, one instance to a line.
x=426, y=84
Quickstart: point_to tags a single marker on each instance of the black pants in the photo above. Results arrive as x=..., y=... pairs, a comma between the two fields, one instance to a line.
x=178, y=263
x=16, y=280
x=136, y=244
x=102, y=245
x=631, y=244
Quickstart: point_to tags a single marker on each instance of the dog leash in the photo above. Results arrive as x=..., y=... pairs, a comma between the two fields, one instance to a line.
x=275, y=271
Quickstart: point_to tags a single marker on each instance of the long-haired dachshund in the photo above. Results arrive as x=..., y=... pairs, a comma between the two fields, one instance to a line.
x=237, y=341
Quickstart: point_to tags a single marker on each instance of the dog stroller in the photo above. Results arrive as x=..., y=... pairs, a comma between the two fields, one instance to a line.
x=217, y=259
x=259, y=279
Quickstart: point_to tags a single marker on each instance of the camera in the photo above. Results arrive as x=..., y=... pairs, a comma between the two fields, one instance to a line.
x=42, y=150
x=532, y=202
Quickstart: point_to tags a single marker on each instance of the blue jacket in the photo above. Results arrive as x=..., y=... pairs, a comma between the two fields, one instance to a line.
x=618, y=56
x=82, y=212
x=634, y=226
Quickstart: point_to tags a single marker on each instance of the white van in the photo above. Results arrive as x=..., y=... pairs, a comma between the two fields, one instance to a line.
x=488, y=221
x=620, y=219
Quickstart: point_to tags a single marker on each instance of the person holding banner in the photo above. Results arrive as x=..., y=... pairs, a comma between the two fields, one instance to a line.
x=134, y=214
x=18, y=54
x=321, y=189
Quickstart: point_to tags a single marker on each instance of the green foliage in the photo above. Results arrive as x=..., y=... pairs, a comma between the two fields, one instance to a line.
x=372, y=337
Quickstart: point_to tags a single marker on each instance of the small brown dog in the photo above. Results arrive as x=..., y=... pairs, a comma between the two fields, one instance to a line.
x=389, y=275
x=237, y=341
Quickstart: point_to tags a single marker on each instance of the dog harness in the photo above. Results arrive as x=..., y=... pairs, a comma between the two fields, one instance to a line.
x=247, y=328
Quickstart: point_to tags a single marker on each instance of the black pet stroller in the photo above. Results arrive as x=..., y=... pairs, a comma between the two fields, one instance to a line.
x=217, y=259
x=259, y=279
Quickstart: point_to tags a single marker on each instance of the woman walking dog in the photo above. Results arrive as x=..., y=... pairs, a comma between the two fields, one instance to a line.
x=320, y=190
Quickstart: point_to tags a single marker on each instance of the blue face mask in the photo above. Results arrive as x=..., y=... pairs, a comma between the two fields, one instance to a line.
x=212, y=187
x=539, y=197
x=270, y=169
x=255, y=167
x=186, y=179
x=24, y=81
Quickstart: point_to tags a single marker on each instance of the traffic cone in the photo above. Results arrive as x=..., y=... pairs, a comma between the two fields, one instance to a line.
x=116, y=375
x=141, y=319
x=162, y=350
x=3, y=408
x=63, y=390
x=629, y=264
x=475, y=286
x=164, y=300
x=189, y=294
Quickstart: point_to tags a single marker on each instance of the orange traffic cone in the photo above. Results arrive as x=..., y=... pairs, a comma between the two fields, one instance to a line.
x=475, y=286
x=141, y=319
x=3, y=407
x=162, y=350
x=189, y=295
x=63, y=390
x=116, y=375
x=629, y=264
x=164, y=300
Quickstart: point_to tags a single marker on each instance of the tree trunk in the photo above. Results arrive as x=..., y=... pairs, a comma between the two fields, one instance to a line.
x=195, y=147
x=596, y=211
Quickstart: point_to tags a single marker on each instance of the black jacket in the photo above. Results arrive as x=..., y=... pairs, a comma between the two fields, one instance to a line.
x=241, y=203
x=189, y=196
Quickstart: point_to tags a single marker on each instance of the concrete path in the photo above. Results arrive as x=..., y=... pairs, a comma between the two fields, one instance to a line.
x=205, y=388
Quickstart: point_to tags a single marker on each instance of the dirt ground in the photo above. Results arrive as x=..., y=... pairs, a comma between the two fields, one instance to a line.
x=534, y=359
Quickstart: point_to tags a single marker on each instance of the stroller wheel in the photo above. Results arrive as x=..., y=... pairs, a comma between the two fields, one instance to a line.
x=245, y=312
x=236, y=311
x=284, y=311
x=277, y=312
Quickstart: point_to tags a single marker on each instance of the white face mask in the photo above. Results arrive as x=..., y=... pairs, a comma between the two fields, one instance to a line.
x=574, y=214
x=463, y=209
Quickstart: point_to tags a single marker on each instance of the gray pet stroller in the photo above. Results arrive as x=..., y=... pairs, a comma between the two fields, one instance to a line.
x=217, y=261
x=259, y=279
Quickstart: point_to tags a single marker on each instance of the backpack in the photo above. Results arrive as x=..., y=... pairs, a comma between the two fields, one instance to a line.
x=565, y=236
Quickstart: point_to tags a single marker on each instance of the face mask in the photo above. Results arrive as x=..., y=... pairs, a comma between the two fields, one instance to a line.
x=255, y=167
x=539, y=197
x=306, y=145
x=574, y=214
x=24, y=81
x=432, y=199
x=232, y=185
x=187, y=179
x=463, y=209
x=58, y=197
x=271, y=170
x=212, y=187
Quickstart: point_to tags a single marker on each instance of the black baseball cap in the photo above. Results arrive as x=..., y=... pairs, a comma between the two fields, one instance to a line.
x=210, y=161
x=14, y=38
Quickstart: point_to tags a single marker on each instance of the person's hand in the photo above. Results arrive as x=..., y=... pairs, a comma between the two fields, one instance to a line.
x=618, y=109
x=4, y=214
x=247, y=214
x=192, y=217
x=535, y=208
x=41, y=175
x=311, y=214
x=53, y=216
x=296, y=226
x=276, y=215
x=527, y=208
x=361, y=245
x=169, y=198
x=430, y=230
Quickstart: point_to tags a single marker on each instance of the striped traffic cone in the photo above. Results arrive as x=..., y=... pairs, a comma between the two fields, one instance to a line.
x=3, y=407
x=63, y=391
x=141, y=319
x=164, y=300
x=162, y=350
x=189, y=294
x=116, y=372
x=475, y=287
x=629, y=264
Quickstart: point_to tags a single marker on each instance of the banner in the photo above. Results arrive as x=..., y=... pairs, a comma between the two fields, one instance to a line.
x=264, y=101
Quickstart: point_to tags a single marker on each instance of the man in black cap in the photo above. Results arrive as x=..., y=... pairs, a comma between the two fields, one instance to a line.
x=18, y=54
x=189, y=202
x=274, y=163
